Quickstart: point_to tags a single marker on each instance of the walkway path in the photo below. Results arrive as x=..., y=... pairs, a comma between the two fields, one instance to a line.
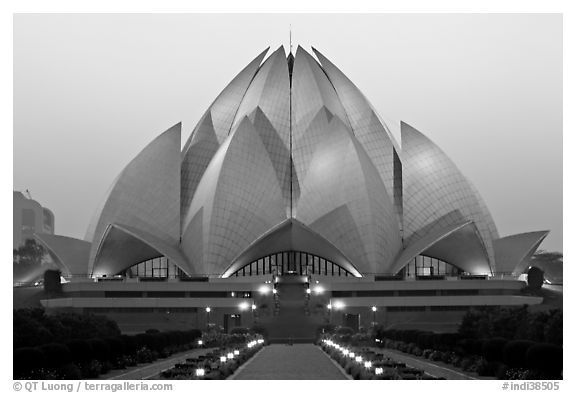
x=151, y=370
x=431, y=368
x=298, y=361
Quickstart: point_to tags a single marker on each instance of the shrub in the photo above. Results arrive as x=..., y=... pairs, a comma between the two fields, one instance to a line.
x=546, y=358
x=91, y=369
x=257, y=329
x=472, y=346
x=69, y=371
x=56, y=355
x=492, y=350
x=327, y=328
x=27, y=361
x=416, y=351
x=467, y=363
x=486, y=369
x=145, y=355
x=100, y=350
x=80, y=349
x=425, y=340
x=239, y=330
x=516, y=373
x=436, y=356
x=514, y=353
x=344, y=331
x=448, y=357
x=130, y=344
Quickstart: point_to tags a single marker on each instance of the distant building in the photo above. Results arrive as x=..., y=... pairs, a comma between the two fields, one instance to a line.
x=30, y=218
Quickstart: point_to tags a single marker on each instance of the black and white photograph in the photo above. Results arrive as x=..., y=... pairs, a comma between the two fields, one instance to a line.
x=287, y=196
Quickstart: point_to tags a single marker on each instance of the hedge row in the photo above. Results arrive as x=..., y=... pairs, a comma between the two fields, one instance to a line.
x=33, y=327
x=516, y=323
x=87, y=358
x=498, y=356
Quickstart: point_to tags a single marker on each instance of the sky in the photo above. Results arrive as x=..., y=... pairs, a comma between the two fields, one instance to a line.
x=91, y=91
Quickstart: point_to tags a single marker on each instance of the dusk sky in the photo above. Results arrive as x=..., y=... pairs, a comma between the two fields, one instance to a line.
x=91, y=91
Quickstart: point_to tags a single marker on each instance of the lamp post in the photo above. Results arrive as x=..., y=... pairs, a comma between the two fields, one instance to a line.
x=374, y=309
x=329, y=307
x=243, y=307
x=208, y=309
x=253, y=313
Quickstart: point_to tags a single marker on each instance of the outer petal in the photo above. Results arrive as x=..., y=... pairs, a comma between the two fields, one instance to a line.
x=513, y=253
x=124, y=246
x=433, y=187
x=70, y=254
x=146, y=195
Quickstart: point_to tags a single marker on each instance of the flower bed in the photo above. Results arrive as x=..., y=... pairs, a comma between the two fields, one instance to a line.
x=217, y=364
x=362, y=363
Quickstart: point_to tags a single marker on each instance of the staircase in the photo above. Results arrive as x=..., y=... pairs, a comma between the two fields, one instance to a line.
x=291, y=319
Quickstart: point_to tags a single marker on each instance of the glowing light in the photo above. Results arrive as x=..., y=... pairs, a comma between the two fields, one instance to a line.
x=264, y=289
x=374, y=309
x=223, y=359
x=367, y=364
x=274, y=291
x=200, y=372
x=208, y=309
x=359, y=359
x=318, y=290
x=236, y=352
x=379, y=371
x=329, y=307
x=243, y=306
x=260, y=341
x=253, y=307
x=352, y=355
x=200, y=342
x=338, y=305
x=346, y=352
x=230, y=355
x=308, y=291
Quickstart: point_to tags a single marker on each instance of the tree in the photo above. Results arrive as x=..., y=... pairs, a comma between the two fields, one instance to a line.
x=28, y=259
x=547, y=256
x=30, y=254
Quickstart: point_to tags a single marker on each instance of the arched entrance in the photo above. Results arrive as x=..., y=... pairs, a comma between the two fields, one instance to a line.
x=291, y=262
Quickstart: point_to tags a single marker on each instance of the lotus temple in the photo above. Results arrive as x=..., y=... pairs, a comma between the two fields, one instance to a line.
x=291, y=206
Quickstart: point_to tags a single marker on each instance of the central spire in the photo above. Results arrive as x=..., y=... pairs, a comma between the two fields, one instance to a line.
x=290, y=39
x=290, y=58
